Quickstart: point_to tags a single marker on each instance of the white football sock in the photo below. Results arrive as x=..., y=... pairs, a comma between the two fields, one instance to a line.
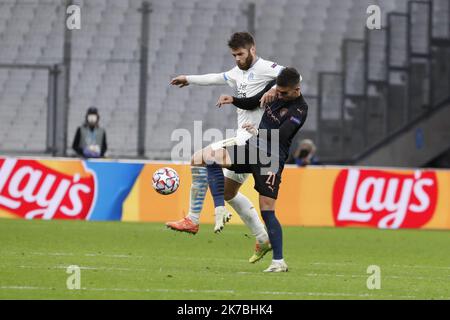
x=199, y=187
x=249, y=215
x=278, y=261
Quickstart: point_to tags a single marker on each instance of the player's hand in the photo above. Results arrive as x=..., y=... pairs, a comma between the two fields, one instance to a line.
x=269, y=97
x=250, y=127
x=224, y=99
x=180, y=81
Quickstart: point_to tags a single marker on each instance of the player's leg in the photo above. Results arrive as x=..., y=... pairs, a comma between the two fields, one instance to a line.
x=242, y=205
x=267, y=184
x=199, y=187
x=246, y=210
x=215, y=160
x=275, y=231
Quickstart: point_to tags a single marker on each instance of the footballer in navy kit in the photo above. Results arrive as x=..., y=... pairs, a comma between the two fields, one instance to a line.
x=279, y=124
x=250, y=75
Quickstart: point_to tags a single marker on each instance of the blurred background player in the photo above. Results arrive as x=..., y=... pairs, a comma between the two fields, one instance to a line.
x=90, y=138
x=286, y=115
x=249, y=77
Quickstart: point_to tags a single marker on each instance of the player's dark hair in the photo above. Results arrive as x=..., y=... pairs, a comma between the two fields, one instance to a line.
x=288, y=77
x=240, y=40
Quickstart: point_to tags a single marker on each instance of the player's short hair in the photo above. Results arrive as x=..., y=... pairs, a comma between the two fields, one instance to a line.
x=240, y=40
x=288, y=77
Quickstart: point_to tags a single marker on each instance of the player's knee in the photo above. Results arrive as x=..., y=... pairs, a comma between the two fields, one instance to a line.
x=211, y=157
x=230, y=194
x=266, y=203
x=196, y=159
x=193, y=160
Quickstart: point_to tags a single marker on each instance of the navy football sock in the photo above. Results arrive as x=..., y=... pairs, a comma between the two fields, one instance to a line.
x=216, y=182
x=275, y=233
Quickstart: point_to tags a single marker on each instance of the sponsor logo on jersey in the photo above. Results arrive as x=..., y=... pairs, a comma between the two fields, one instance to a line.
x=295, y=120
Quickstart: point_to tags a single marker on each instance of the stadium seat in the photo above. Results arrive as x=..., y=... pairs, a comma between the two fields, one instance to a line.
x=306, y=34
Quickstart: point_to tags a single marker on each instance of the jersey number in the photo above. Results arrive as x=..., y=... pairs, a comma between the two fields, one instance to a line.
x=271, y=179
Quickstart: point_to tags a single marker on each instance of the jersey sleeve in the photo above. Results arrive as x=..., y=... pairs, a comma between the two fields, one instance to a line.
x=207, y=79
x=293, y=123
x=230, y=77
x=272, y=69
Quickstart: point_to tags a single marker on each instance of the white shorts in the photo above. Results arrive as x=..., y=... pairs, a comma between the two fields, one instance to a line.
x=241, y=137
x=238, y=177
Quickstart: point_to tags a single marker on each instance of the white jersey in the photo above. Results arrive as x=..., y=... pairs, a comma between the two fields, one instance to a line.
x=248, y=83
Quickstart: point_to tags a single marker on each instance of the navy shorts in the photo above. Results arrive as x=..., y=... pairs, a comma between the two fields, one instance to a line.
x=266, y=173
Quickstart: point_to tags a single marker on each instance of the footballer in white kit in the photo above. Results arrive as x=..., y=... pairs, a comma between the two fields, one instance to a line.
x=248, y=78
x=246, y=83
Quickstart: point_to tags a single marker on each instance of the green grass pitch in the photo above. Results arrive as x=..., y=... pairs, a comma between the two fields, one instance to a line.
x=147, y=261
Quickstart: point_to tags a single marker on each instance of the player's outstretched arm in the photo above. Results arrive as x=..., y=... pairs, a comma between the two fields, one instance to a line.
x=180, y=81
x=200, y=80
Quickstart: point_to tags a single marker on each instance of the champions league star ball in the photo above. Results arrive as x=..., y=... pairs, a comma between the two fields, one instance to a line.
x=165, y=181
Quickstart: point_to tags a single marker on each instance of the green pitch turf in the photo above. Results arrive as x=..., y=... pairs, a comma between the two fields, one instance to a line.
x=147, y=261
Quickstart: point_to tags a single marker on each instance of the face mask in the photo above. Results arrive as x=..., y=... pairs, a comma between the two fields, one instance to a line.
x=92, y=119
x=303, y=153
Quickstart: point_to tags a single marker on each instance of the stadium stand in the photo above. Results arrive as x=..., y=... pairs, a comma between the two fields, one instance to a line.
x=186, y=37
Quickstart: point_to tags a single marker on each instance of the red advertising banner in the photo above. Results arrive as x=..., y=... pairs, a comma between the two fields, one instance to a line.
x=315, y=196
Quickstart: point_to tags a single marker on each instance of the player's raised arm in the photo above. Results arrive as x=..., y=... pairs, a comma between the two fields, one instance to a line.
x=200, y=80
x=180, y=81
x=268, y=97
x=272, y=70
x=208, y=79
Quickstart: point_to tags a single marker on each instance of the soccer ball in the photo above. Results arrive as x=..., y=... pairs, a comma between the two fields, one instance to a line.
x=165, y=181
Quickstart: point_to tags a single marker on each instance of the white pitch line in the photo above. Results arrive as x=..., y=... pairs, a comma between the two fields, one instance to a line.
x=327, y=294
x=387, y=266
x=119, y=256
x=384, y=276
x=81, y=267
x=23, y=288
x=126, y=256
x=245, y=273
x=158, y=290
x=57, y=254
x=194, y=291
x=421, y=267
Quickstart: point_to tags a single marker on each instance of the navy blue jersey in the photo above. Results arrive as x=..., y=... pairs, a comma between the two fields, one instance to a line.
x=285, y=116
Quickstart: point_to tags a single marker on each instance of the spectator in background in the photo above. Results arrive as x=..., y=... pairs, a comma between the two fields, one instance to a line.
x=90, y=139
x=305, y=154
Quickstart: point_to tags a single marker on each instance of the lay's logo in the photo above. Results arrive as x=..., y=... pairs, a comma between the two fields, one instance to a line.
x=32, y=190
x=383, y=199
